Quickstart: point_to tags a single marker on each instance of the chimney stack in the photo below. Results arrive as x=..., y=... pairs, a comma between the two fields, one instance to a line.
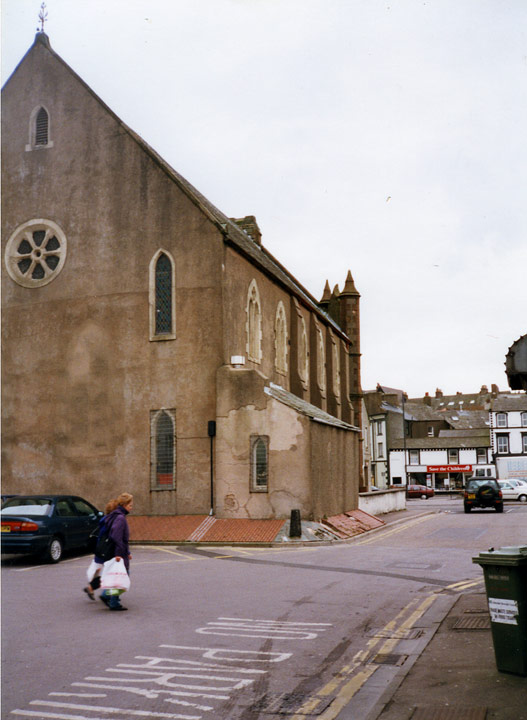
x=249, y=225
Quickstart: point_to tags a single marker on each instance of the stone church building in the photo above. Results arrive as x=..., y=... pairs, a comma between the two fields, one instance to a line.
x=150, y=343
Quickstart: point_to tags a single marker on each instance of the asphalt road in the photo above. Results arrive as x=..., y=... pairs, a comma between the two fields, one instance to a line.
x=237, y=633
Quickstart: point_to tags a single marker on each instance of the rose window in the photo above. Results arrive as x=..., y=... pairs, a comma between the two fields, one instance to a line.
x=35, y=253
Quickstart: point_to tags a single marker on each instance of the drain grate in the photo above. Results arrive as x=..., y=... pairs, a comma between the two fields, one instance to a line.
x=388, y=659
x=397, y=634
x=292, y=704
x=478, y=621
x=453, y=712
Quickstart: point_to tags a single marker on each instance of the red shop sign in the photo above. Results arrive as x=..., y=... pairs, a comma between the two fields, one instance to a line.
x=448, y=468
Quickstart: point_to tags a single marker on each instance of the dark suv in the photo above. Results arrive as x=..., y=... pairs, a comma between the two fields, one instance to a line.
x=482, y=492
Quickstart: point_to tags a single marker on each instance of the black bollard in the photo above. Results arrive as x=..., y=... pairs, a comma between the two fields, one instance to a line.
x=295, y=524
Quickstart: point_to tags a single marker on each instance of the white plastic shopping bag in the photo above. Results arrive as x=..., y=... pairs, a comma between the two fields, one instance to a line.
x=114, y=575
x=91, y=572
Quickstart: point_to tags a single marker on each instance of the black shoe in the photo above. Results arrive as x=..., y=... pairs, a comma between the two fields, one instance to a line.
x=119, y=607
x=89, y=593
x=105, y=600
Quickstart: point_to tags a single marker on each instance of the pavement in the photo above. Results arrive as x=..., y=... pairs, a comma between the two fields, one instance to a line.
x=207, y=529
x=444, y=670
x=448, y=673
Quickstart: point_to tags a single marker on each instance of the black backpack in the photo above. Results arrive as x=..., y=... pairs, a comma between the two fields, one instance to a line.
x=105, y=548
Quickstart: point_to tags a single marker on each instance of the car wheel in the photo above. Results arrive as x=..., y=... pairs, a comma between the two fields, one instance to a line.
x=523, y=498
x=467, y=508
x=424, y=497
x=499, y=508
x=54, y=550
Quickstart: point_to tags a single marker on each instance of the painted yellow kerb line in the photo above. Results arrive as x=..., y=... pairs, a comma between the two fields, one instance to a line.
x=388, y=532
x=350, y=686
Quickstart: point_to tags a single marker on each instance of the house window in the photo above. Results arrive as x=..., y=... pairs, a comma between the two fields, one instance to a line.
x=259, y=463
x=430, y=431
x=524, y=419
x=380, y=449
x=380, y=427
x=163, y=449
x=35, y=253
x=502, y=443
x=280, y=328
x=481, y=454
x=501, y=420
x=414, y=457
x=162, y=297
x=453, y=457
x=254, y=324
x=524, y=442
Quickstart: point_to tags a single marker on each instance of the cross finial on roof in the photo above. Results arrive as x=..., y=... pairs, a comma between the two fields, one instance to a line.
x=42, y=16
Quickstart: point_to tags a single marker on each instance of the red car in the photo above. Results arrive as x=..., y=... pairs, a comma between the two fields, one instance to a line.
x=419, y=491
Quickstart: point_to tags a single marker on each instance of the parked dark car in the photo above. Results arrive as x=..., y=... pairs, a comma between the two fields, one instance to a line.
x=482, y=492
x=48, y=524
x=419, y=491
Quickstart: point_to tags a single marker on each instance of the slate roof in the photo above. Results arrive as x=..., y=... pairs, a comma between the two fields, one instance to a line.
x=476, y=432
x=510, y=404
x=233, y=234
x=440, y=443
x=467, y=419
x=305, y=408
x=421, y=412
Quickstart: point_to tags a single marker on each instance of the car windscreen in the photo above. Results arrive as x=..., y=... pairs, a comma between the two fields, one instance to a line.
x=475, y=484
x=26, y=506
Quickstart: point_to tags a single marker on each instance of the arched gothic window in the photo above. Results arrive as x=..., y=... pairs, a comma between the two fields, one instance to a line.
x=259, y=463
x=336, y=370
x=39, y=130
x=162, y=297
x=254, y=324
x=303, y=357
x=321, y=360
x=280, y=328
x=41, y=127
x=163, y=449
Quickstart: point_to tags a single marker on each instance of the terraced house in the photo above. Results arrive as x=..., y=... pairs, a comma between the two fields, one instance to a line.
x=150, y=342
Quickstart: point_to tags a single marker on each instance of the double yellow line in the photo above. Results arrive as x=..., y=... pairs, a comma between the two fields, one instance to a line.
x=382, y=534
x=351, y=678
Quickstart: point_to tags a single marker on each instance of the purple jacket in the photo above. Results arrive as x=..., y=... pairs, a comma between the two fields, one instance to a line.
x=119, y=532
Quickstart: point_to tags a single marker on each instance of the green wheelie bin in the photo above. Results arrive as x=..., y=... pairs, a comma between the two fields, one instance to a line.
x=505, y=571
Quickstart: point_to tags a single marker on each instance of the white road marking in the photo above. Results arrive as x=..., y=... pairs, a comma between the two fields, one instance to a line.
x=267, y=629
x=154, y=662
x=217, y=653
x=83, y=695
x=113, y=710
x=146, y=693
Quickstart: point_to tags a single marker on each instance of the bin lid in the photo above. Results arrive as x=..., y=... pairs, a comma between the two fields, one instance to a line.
x=508, y=555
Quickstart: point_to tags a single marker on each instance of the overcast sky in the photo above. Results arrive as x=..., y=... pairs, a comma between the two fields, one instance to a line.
x=384, y=137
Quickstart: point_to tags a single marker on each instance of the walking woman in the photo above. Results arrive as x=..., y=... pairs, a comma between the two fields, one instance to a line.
x=117, y=526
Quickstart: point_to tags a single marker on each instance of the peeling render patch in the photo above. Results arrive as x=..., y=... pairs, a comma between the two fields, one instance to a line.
x=289, y=428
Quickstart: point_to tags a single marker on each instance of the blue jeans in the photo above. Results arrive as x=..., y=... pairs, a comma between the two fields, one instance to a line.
x=113, y=597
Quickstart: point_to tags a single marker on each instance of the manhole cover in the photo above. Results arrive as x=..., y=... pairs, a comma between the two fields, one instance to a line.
x=292, y=704
x=473, y=622
x=397, y=634
x=453, y=712
x=388, y=659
